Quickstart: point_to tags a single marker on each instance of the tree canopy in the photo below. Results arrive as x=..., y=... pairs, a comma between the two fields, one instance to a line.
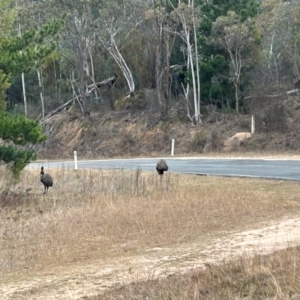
x=170, y=47
x=17, y=134
x=19, y=54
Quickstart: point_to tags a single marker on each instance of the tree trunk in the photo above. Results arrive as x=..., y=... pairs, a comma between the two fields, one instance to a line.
x=24, y=94
x=23, y=80
x=190, y=53
x=166, y=78
x=41, y=92
x=158, y=74
x=236, y=98
x=115, y=53
x=197, y=68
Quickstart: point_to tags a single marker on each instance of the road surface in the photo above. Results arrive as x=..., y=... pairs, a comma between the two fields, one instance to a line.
x=237, y=167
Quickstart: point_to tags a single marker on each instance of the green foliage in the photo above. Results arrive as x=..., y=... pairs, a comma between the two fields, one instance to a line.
x=22, y=54
x=20, y=130
x=25, y=53
x=4, y=85
x=16, y=132
x=7, y=16
x=16, y=158
x=211, y=65
x=239, y=40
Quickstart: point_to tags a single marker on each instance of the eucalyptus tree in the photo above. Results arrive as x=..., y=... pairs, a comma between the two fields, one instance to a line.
x=238, y=39
x=280, y=24
x=72, y=45
x=188, y=15
x=215, y=62
x=40, y=34
x=161, y=33
x=93, y=40
x=116, y=26
x=90, y=26
x=76, y=41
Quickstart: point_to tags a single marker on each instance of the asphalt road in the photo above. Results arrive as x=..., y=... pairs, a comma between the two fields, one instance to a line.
x=260, y=168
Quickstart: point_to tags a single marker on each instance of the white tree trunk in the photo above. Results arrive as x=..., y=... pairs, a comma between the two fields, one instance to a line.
x=236, y=61
x=115, y=53
x=24, y=94
x=186, y=96
x=190, y=53
x=158, y=75
x=41, y=92
x=197, y=69
x=75, y=96
x=23, y=79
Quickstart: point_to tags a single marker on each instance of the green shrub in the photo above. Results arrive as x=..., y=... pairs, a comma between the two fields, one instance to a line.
x=134, y=102
x=198, y=142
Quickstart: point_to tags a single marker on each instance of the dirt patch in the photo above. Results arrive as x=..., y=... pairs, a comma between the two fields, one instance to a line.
x=236, y=140
x=91, y=278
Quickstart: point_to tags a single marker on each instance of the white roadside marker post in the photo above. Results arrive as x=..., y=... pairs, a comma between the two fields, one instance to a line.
x=75, y=160
x=172, y=147
x=252, y=124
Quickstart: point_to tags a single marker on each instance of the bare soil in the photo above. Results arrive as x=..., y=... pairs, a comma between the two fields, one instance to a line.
x=91, y=278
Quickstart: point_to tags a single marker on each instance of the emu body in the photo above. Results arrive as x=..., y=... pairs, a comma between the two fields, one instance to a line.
x=161, y=167
x=46, y=180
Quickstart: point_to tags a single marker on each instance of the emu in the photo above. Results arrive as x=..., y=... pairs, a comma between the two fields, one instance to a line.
x=46, y=180
x=161, y=167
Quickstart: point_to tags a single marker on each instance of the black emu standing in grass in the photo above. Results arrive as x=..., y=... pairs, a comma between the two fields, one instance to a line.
x=46, y=180
x=161, y=167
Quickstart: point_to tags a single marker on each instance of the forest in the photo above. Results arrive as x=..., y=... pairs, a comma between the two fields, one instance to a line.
x=158, y=55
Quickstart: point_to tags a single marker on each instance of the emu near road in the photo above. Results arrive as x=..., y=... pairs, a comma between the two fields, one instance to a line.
x=161, y=167
x=46, y=180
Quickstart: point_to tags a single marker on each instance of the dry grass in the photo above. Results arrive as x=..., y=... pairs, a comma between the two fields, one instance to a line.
x=96, y=214
x=275, y=276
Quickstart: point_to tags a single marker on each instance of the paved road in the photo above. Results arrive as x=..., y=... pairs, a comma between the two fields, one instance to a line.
x=262, y=168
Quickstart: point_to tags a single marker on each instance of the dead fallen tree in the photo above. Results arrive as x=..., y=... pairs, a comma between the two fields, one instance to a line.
x=111, y=81
x=55, y=111
x=90, y=88
x=291, y=92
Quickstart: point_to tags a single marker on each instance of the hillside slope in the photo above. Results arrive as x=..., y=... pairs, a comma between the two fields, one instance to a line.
x=142, y=133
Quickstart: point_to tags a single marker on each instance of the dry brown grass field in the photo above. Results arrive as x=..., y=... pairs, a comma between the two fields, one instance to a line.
x=115, y=234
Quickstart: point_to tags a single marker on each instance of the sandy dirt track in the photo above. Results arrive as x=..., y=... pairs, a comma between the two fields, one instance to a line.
x=93, y=277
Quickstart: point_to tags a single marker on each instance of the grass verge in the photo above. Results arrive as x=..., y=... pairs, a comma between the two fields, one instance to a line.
x=275, y=276
x=97, y=214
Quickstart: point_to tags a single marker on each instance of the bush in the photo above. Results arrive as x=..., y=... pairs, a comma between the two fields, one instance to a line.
x=216, y=141
x=274, y=119
x=133, y=102
x=198, y=143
